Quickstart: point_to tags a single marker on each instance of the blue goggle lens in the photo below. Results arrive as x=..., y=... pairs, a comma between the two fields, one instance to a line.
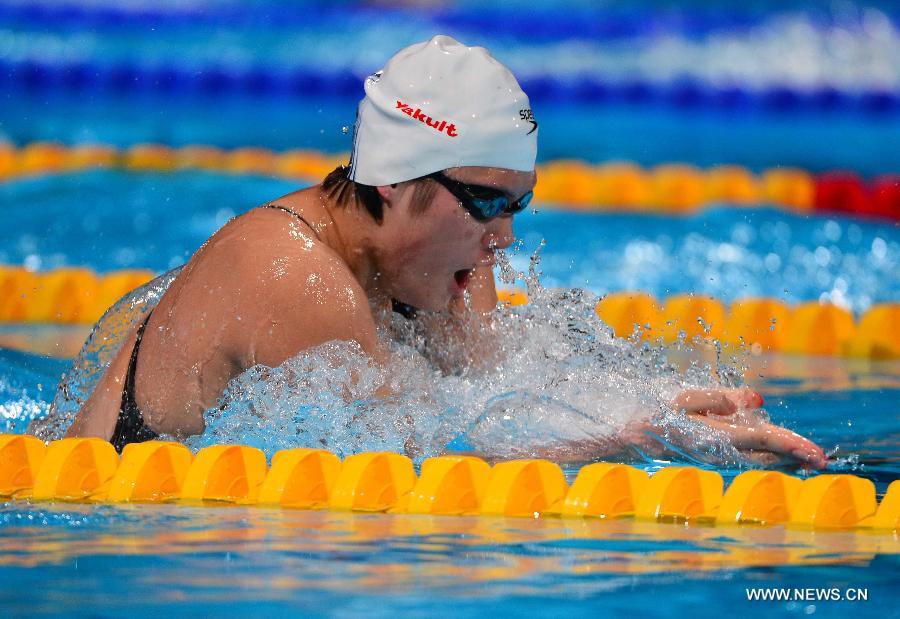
x=483, y=207
x=494, y=207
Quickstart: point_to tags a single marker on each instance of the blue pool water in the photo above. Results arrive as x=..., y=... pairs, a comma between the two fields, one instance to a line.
x=109, y=220
x=763, y=84
x=646, y=135
x=65, y=558
x=182, y=561
x=760, y=84
x=59, y=559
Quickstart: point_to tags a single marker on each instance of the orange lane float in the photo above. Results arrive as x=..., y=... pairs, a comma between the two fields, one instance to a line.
x=250, y=160
x=760, y=324
x=67, y=295
x=623, y=185
x=630, y=313
x=524, y=488
x=789, y=187
x=568, y=181
x=88, y=469
x=878, y=334
x=306, y=164
x=74, y=468
x=8, y=161
x=156, y=157
x=20, y=458
x=732, y=184
x=449, y=485
x=512, y=297
x=759, y=497
x=605, y=490
x=681, y=493
x=372, y=482
x=86, y=156
x=63, y=296
x=834, y=501
x=77, y=295
x=149, y=472
x=200, y=156
x=42, y=158
x=695, y=316
x=888, y=514
x=819, y=329
x=17, y=286
x=301, y=478
x=677, y=187
x=228, y=473
x=674, y=187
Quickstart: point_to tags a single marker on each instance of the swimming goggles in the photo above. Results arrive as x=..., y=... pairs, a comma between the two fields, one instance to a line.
x=482, y=203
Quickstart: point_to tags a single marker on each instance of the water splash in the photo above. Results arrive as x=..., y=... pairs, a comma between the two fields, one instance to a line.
x=101, y=346
x=548, y=379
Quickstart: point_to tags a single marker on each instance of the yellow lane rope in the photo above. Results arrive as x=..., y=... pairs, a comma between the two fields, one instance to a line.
x=80, y=296
x=89, y=469
x=666, y=188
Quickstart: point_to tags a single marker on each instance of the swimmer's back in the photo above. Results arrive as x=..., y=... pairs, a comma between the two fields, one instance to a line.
x=262, y=289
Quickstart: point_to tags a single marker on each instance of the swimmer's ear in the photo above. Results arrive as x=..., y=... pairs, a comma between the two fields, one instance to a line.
x=387, y=192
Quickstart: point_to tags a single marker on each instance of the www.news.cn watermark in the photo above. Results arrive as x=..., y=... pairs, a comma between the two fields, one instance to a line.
x=806, y=594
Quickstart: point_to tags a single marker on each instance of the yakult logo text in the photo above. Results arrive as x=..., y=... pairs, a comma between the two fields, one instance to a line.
x=417, y=114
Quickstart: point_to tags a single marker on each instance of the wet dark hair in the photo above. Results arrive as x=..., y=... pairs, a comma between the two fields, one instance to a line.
x=342, y=191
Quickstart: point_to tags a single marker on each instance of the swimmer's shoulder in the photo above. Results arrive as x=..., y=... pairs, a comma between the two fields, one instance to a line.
x=279, y=242
x=301, y=292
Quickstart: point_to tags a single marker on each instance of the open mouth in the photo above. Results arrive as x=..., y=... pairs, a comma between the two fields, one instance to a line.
x=462, y=278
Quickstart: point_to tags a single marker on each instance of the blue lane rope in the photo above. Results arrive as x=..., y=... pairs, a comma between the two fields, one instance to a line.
x=126, y=77
x=538, y=22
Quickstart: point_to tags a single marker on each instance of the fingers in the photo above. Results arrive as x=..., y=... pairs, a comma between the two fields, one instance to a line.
x=772, y=439
x=705, y=402
x=717, y=401
x=744, y=397
x=762, y=458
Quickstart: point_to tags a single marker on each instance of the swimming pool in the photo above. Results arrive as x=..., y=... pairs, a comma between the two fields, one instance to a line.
x=104, y=560
x=260, y=562
x=254, y=560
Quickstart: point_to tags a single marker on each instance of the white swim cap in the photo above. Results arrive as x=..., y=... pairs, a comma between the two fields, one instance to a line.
x=439, y=105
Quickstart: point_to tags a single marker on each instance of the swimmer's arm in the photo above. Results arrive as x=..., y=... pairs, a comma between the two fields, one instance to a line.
x=318, y=301
x=764, y=443
x=98, y=416
x=733, y=413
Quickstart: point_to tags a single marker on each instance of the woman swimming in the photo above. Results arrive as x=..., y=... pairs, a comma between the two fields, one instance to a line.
x=443, y=158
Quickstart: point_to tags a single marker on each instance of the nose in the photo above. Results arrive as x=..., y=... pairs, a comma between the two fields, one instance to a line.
x=499, y=234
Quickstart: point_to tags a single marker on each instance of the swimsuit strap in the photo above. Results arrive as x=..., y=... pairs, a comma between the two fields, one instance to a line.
x=130, y=427
x=295, y=214
x=407, y=311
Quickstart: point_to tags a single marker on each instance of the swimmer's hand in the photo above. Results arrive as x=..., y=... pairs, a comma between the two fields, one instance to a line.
x=717, y=401
x=769, y=445
x=764, y=443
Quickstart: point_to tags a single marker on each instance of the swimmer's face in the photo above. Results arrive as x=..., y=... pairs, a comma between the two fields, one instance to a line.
x=434, y=250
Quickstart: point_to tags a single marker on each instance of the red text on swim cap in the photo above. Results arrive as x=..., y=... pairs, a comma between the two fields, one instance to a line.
x=434, y=124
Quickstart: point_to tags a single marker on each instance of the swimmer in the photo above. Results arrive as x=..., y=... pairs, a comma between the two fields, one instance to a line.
x=443, y=158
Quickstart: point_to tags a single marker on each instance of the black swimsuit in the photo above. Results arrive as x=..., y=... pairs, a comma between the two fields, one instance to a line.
x=130, y=426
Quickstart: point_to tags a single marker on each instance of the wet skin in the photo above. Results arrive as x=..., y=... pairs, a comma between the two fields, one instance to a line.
x=267, y=286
